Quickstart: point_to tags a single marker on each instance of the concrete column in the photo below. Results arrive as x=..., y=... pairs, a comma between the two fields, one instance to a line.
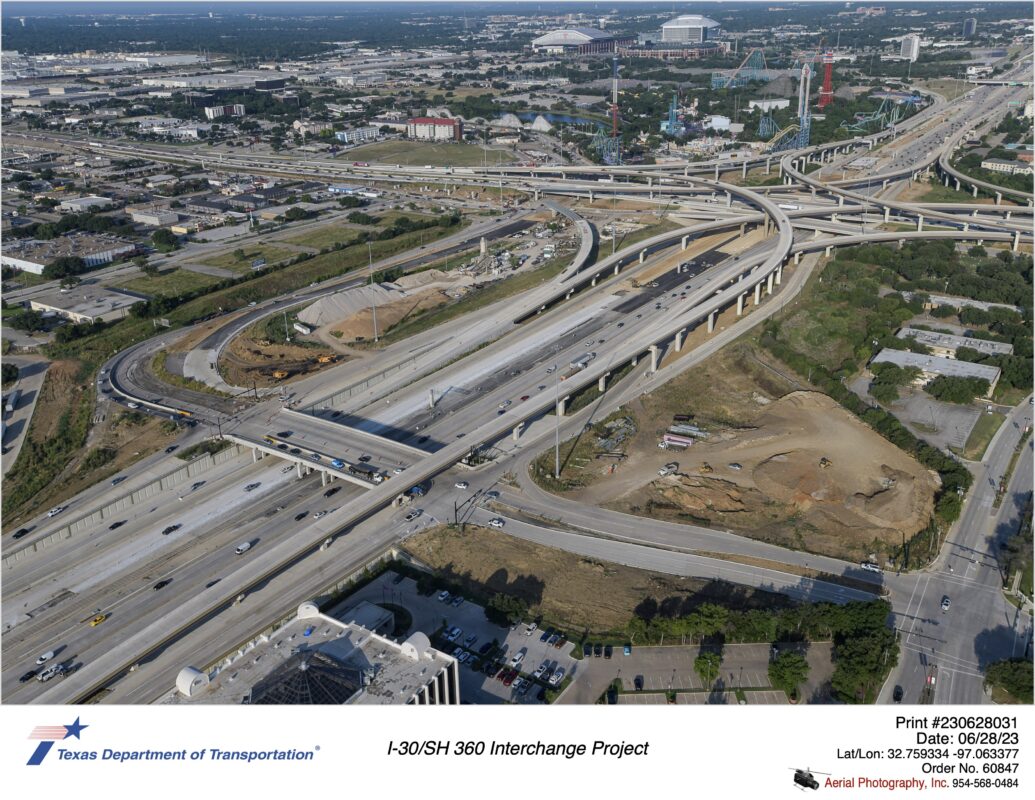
x=591, y=195
x=779, y=274
x=966, y=227
x=813, y=192
x=740, y=306
x=602, y=382
x=650, y=180
x=887, y=213
x=946, y=181
x=516, y=433
x=323, y=478
x=594, y=281
x=957, y=184
x=758, y=293
x=716, y=172
x=1016, y=241
x=1008, y=214
x=617, y=267
x=634, y=360
x=729, y=199
x=840, y=199
x=779, y=165
x=562, y=404
x=743, y=228
x=654, y=351
x=711, y=322
x=815, y=233
x=650, y=195
x=769, y=284
x=744, y=170
x=975, y=192
x=255, y=455
x=797, y=257
x=768, y=165
x=298, y=469
x=643, y=256
x=998, y=198
x=685, y=240
x=569, y=294
x=829, y=249
x=833, y=217
x=919, y=222
x=884, y=184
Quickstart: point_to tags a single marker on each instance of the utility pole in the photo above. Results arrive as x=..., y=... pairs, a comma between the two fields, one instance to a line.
x=557, y=429
x=287, y=331
x=373, y=302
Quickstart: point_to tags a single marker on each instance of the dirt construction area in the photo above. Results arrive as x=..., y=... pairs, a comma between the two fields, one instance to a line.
x=251, y=358
x=780, y=463
x=568, y=591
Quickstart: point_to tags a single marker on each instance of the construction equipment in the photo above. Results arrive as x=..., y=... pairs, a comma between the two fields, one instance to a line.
x=705, y=468
x=280, y=373
x=825, y=462
x=325, y=359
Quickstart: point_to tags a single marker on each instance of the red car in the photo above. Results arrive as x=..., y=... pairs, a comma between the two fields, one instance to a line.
x=360, y=164
x=509, y=677
x=523, y=399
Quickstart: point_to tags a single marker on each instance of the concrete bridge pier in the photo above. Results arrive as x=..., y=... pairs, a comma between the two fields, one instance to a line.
x=966, y=227
x=999, y=198
x=768, y=165
x=829, y=250
x=650, y=180
x=680, y=336
x=813, y=192
x=323, y=478
x=887, y=213
x=617, y=267
x=686, y=172
x=594, y=281
x=840, y=200
x=634, y=361
x=729, y=200
x=884, y=184
x=654, y=352
x=833, y=217
x=758, y=294
x=797, y=257
x=591, y=195
x=562, y=404
x=711, y=322
x=1008, y=215
x=946, y=181
x=256, y=455
x=298, y=470
x=716, y=172
x=815, y=233
x=602, y=382
x=740, y=306
x=779, y=274
x=779, y=166
x=919, y=222
x=569, y=294
x=650, y=195
x=957, y=184
x=1016, y=241
x=769, y=283
x=516, y=433
x=974, y=194
x=643, y=256
x=743, y=228
x=687, y=239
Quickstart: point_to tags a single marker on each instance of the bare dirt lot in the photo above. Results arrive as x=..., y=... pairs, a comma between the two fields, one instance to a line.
x=250, y=357
x=807, y=474
x=360, y=326
x=569, y=591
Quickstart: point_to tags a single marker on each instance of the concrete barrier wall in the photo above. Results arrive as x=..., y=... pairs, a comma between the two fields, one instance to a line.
x=181, y=475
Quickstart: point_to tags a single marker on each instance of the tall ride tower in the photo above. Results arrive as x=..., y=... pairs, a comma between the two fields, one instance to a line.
x=826, y=94
x=804, y=115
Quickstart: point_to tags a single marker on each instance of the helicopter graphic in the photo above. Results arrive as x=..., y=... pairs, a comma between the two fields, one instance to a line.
x=804, y=778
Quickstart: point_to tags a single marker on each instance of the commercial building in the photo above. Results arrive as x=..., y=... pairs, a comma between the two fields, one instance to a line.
x=361, y=79
x=932, y=367
x=435, y=129
x=945, y=345
x=1008, y=167
x=574, y=41
x=969, y=28
x=77, y=205
x=86, y=303
x=215, y=112
x=367, y=133
x=692, y=28
x=310, y=128
x=155, y=217
x=910, y=47
x=317, y=659
x=32, y=255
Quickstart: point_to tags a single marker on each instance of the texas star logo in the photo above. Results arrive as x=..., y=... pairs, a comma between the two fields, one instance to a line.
x=47, y=735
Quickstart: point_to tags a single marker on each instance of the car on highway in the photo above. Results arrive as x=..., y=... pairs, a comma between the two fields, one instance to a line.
x=314, y=457
x=413, y=515
x=946, y=603
x=197, y=485
x=295, y=451
x=171, y=529
x=251, y=487
x=162, y=584
x=551, y=370
x=117, y=524
x=319, y=514
x=496, y=522
x=117, y=480
x=97, y=620
x=332, y=491
x=462, y=485
x=897, y=694
x=18, y=534
x=56, y=510
x=28, y=676
x=171, y=448
x=505, y=404
x=44, y=658
x=524, y=397
x=399, y=470
x=132, y=405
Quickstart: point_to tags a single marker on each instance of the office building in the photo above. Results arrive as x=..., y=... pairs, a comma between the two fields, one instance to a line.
x=910, y=47
x=215, y=112
x=435, y=129
x=969, y=28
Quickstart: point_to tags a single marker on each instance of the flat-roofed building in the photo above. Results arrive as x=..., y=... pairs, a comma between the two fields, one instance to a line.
x=32, y=255
x=959, y=303
x=1008, y=167
x=692, y=28
x=932, y=367
x=368, y=133
x=574, y=41
x=155, y=217
x=946, y=344
x=86, y=303
x=318, y=659
x=435, y=129
x=78, y=205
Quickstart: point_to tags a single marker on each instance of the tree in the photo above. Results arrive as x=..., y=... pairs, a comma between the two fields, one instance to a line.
x=1013, y=676
x=164, y=240
x=240, y=255
x=70, y=281
x=8, y=373
x=887, y=378
x=951, y=389
x=506, y=609
x=788, y=671
x=64, y=265
x=707, y=666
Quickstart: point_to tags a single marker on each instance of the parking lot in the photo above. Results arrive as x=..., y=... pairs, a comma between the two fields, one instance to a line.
x=430, y=615
x=659, y=670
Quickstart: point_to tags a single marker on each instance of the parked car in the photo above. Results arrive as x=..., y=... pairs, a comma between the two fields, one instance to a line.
x=557, y=677
x=413, y=515
x=485, y=648
x=627, y=650
x=531, y=629
x=470, y=640
x=946, y=603
x=638, y=683
x=540, y=671
x=443, y=596
x=517, y=659
x=608, y=651
x=587, y=650
x=457, y=601
x=462, y=484
x=897, y=694
x=598, y=650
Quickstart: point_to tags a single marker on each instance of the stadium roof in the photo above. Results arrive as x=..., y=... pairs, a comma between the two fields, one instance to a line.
x=571, y=36
x=691, y=21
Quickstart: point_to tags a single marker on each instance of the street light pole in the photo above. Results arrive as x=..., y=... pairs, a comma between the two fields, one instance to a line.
x=557, y=429
x=373, y=303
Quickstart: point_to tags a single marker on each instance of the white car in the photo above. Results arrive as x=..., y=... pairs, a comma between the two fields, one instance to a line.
x=496, y=523
x=557, y=677
x=132, y=405
x=55, y=511
x=413, y=515
x=319, y=514
x=462, y=485
x=517, y=659
x=540, y=671
x=531, y=629
x=398, y=470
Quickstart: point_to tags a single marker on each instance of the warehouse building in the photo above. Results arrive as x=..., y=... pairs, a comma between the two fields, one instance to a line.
x=32, y=255
x=317, y=659
x=86, y=303
x=945, y=345
x=575, y=41
x=77, y=205
x=155, y=217
x=932, y=367
x=435, y=129
x=691, y=28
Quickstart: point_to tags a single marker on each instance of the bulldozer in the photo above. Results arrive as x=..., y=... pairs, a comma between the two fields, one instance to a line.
x=325, y=359
x=825, y=462
x=280, y=373
x=705, y=468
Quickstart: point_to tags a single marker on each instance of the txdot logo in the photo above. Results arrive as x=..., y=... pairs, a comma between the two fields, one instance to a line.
x=47, y=735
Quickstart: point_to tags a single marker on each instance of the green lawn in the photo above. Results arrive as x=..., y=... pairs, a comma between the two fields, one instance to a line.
x=981, y=435
x=943, y=194
x=402, y=151
x=948, y=87
x=172, y=282
x=343, y=231
x=29, y=279
x=227, y=259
